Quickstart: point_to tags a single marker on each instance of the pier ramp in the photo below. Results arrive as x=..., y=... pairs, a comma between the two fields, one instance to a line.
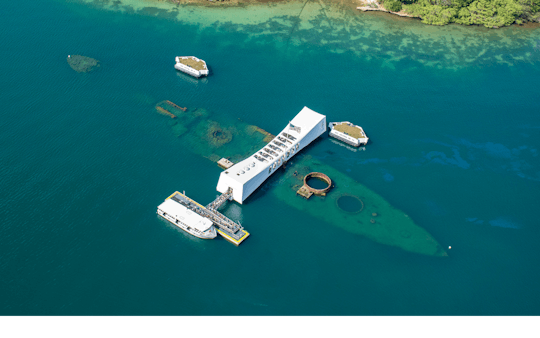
x=227, y=228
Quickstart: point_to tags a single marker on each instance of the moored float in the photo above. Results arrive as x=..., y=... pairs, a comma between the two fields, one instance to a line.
x=348, y=133
x=191, y=65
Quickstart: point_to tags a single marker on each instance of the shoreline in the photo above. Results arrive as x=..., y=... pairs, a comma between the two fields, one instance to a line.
x=342, y=29
x=357, y=5
x=374, y=5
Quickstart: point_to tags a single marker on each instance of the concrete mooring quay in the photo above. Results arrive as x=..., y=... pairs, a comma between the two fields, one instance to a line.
x=228, y=229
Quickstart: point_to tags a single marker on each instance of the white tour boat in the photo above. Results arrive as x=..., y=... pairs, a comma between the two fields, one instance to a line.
x=191, y=222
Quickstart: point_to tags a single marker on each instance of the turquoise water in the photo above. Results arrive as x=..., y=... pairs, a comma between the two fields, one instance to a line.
x=452, y=114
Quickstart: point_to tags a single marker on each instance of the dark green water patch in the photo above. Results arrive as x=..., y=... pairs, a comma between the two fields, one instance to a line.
x=214, y=136
x=386, y=227
x=82, y=64
x=316, y=183
x=350, y=203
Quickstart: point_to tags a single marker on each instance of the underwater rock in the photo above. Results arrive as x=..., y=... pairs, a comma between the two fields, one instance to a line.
x=218, y=136
x=175, y=105
x=267, y=136
x=165, y=112
x=82, y=64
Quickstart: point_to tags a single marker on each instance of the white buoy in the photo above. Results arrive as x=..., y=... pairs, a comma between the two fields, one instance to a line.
x=449, y=247
x=69, y=56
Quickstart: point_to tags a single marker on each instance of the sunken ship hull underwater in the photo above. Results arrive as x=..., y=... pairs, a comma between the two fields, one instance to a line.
x=216, y=136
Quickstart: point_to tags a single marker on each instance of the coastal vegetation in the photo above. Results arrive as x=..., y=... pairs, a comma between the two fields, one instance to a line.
x=393, y=5
x=488, y=13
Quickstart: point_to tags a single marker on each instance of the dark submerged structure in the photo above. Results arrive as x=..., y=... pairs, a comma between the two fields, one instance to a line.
x=82, y=64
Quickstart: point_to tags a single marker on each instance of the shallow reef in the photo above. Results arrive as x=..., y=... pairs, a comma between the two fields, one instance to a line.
x=82, y=64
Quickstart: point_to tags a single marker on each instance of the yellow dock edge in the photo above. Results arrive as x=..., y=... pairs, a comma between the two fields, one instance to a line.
x=224, y=235
x=179, y=193
x=232, y=240
x=174, y=193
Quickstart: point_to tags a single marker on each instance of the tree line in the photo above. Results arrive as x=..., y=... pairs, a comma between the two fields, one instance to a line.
x=489, y=13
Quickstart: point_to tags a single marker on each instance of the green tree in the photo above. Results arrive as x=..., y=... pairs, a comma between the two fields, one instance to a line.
x=490, y=13
x=432, y=14
x=392, y=5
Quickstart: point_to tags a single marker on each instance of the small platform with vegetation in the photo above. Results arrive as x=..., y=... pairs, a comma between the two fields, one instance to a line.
x=352, y=131
x=193, y=62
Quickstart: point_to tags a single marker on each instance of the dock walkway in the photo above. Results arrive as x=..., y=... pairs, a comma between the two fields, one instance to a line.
x=227, y=228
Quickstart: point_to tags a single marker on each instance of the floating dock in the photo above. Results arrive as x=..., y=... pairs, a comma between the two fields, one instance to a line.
x=348, y=133
x=228, y=229
x=191, y=65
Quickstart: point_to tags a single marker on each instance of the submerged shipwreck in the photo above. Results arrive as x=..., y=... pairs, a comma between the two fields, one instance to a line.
x=348, y=205
x=239, y=181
